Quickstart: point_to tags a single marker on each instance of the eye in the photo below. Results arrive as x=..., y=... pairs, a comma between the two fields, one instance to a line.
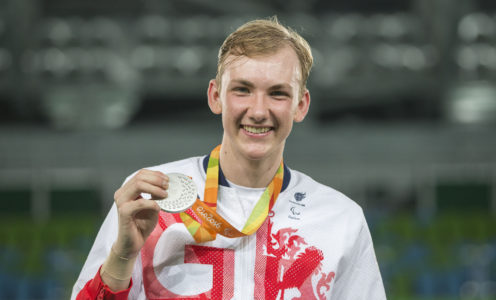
x=279, y=94
x=241, y=90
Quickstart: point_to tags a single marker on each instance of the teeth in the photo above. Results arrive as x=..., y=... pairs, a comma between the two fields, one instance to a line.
x=256, y=129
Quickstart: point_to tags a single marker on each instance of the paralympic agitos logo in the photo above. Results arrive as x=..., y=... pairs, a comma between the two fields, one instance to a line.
x=208, y=217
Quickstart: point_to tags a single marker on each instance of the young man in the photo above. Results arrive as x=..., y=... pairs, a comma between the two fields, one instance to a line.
x=258, y=230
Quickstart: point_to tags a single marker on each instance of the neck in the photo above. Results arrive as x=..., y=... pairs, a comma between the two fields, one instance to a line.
x=248, y=172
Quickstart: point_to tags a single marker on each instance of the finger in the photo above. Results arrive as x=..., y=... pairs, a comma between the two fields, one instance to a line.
x=132, y=208
x=133, y=191
x=153, y=177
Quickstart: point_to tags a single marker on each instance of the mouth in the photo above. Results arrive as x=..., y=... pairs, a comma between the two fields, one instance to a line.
x=256, y=130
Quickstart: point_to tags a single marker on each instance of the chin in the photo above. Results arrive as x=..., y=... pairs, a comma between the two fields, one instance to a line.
x=256, y=152
x=255, y=156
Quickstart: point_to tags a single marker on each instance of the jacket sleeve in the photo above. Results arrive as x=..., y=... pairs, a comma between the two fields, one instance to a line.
x=360, y=275
x=96, y=289
x=99, y=251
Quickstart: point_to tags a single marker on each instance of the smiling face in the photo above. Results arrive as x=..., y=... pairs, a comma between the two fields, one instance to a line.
x=259, y=98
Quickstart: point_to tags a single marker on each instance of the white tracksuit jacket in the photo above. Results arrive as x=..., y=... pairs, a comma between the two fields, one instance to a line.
x=315, y=244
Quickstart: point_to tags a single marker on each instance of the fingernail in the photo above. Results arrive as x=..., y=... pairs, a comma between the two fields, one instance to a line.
x=165, y=184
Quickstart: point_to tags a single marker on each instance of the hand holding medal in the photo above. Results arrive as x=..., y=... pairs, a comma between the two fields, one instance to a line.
x=137, y=219
x=138, y=215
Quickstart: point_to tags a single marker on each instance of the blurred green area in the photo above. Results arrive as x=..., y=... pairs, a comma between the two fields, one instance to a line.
x=451, y=255
x=41, y=260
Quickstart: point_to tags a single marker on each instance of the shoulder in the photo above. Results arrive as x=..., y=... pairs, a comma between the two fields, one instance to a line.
x=323, y=196
x=318, y=203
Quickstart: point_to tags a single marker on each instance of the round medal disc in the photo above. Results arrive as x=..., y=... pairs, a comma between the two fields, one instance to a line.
x=182, y=194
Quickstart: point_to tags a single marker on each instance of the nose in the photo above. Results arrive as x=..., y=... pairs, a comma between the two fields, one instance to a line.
x=258, y=111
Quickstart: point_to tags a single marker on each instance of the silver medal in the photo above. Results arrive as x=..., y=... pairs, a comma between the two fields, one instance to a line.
x=182, y=193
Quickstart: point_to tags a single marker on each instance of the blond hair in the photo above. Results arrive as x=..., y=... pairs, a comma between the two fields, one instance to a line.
x=263, y=37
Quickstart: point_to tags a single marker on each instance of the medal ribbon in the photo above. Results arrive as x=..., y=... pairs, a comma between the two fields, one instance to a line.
x=211, y=222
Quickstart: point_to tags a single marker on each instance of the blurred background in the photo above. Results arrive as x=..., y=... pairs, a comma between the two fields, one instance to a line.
x=403, y=121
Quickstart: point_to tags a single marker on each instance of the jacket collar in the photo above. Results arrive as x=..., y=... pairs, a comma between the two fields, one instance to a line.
x=223, y=181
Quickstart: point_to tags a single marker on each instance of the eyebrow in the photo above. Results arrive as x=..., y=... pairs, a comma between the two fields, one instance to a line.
x=243, y=82
x=251, y=85
x=280, y=86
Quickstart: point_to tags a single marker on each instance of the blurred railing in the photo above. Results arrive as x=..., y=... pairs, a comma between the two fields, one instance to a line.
x=360, y=60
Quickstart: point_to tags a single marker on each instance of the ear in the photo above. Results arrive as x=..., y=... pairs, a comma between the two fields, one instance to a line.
x=214, y=97
x=302, y=107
